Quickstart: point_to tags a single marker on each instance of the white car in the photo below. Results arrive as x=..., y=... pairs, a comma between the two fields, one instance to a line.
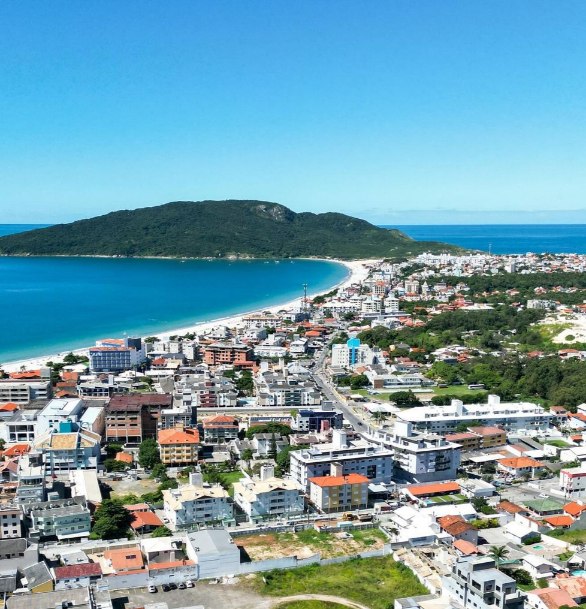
x=189, y=584
x=152, y=588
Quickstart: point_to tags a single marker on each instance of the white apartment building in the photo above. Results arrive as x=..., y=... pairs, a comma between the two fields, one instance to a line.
x=573, y=482
x=10, y=523
x=59, y=410
x=268, y=495
x=354, y=457
x=420, y=457
x=23, y=392
x=521, y=417
x=196, y=503
x=353, y=353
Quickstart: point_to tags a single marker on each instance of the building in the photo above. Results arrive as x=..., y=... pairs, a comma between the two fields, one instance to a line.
x=116, y=355
x=549, y=598
x=351, y=354
x=69, y=447
x=475, y=583
x=522, y=417
x=65, y=519
x=355, y=456
x=24, y=392
x=94, y=419
x=133, y=417
x=234, y=354
x=38, y=578
x=573, y=482
x=10, y=522
x=309, y=420
x=196, y=503
x=77, y=576
x=521, y=466
x=214, y=552
x=179, y=446
x=31, y=479
x=268, y=496
x=286, y=391
x=458, y=528
x=220, y=429
x=59, y=410
x=420, y=457
x=338, y=492
x=479, y=438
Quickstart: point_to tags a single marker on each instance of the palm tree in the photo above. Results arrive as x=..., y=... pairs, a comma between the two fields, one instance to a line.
x=498, y=553
x=379, y=416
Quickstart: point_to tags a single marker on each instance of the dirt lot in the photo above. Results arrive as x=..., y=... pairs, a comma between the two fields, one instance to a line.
x=126, y=486
x=307, y=543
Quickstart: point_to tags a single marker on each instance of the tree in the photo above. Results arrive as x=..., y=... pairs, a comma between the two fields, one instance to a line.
x=111, y=520
x=499, y=553
x=148, y=453
x=247, y=454
x=160, y=471
x=523, y=577
x=380, y=415
x=272, y=452
x=273, y=427
x=161, y=532
x=404, y=399
x=112, y=465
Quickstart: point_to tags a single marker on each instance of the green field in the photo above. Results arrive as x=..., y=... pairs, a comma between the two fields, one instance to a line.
x=228, y=480
x=574, y=537
x=449, y=499
x=310, y=605
x=375, y=582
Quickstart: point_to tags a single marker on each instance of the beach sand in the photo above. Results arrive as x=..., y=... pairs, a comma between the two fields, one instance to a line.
x=358, y=271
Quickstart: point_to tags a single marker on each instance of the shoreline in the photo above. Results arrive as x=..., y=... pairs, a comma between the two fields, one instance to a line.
x=357, y=272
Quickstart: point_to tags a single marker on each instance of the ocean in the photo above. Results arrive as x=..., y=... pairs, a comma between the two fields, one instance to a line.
x=506, y=238
x=50, y=305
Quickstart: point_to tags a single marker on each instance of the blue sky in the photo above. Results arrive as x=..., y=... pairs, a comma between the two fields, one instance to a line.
x=400, y=112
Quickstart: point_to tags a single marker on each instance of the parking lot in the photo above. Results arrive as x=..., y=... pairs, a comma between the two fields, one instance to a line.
x=204, y=594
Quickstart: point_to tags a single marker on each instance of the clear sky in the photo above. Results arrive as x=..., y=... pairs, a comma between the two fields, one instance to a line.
x=400, y=112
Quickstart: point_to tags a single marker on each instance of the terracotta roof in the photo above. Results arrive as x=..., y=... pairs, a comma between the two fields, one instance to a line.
x=27, y=374
x=87, y=569
x=574, y=586
x=466, y=548
x=421, y=490
x=172, y=564
x=520, y=462
x=488, y=431
x=325, y=481
x=454, y=525
x=221, y=420
x=17, y=449
x=511, y=508
x=124, y=457
x=553, y=598
x=8, y=407
x=178, y=436
x=574, y=508
x=458, y=437
x=559, y=521
x=125, y=559
x=145, y=519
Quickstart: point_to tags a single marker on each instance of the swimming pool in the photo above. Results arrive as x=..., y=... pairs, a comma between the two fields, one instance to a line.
x=581, y=572
x=538, y=547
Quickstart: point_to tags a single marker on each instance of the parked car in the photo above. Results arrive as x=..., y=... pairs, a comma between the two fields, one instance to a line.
x=153, y=588
x=172, y=586
x=181, y=586
x=189, y=584
x=166, y=587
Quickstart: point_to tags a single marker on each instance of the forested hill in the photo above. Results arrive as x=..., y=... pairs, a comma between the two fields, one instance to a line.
x=218, y=229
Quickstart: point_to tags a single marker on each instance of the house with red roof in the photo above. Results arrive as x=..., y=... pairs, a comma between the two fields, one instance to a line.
x=458, y=528
x=77, y=576
x=521, y=466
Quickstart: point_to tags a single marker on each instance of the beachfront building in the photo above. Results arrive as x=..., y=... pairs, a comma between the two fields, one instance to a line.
x=521, y=417
x=116, y=355
x=178, y=446
x=420, y=456
x=338, y=493
x=196, y=503
x=24, y=391
x=268, y=495
x=354, y=457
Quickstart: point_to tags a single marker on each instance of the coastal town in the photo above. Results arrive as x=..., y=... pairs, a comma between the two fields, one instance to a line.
x=424, y=423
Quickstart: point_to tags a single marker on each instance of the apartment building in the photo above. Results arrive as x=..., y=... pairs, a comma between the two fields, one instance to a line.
x=573, y=482
x=355, y=457
x=196, y=503
x=479, y=438
x=286, y=391
x=25, y=391
x=521, y=417
x=353, y=353
x=20, y=427
x=220, y=429
x=116, y=355
x=58, y=410
x=31, y=479
x=310, y=420
x=65, y=519
x=475, y=583
x=339, y=493
x=133, y=417
x=10, y=522
x=69, y=447
x=420, y=456
x=235, y=354
x=178, y=446
x=268, y=496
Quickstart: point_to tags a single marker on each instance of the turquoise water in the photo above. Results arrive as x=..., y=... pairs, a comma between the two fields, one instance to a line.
x=49, y=305
x=580, y=572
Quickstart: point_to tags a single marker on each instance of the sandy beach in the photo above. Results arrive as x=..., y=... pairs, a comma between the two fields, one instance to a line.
x=358, y=271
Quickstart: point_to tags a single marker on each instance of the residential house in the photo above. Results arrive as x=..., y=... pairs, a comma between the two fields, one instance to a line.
x=10, y=522
x=572, y=482
x=38, y=578
x=77, y=576
x=549, y=598
x=458, y=528
x=57, y=411
x=521, y=466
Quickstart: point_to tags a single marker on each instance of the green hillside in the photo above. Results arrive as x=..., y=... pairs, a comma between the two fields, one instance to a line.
x=218, y=229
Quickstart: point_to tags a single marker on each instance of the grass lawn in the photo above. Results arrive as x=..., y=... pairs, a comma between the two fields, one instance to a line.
x=228, y=480
x=449, y=499
x=310, y=605
x=456, y=390
x=375, y=582
x=575, y=537
x=557, y=443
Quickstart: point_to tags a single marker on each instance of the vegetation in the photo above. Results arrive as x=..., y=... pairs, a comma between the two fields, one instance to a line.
x=534, y=538
x=111, y=520
x=575, y=536
x=405, y=399
x=279, y=429
x=112, y=465
x=498, y=553
x=375, y=582
x=311, y=605
x=161, y=532
x=218, y=229
x=148, y=453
